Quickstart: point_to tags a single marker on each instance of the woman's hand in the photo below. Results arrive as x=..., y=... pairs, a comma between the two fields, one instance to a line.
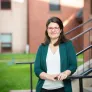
x=61, y=76
x=46, y=76
x=52, y=77
x=64, y=75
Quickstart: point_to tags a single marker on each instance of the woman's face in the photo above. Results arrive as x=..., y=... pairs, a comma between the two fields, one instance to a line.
x=53, y=30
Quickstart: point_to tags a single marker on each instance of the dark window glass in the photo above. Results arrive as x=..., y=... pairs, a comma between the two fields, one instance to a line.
x=6, y=47
x=54, y=5
x=5, y=4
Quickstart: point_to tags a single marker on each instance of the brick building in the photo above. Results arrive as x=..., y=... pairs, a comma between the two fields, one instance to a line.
x=41, y=10
x=87, y=14
x=24, y=22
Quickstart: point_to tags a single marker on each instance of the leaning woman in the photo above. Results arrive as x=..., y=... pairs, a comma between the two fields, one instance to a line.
x=55, y=59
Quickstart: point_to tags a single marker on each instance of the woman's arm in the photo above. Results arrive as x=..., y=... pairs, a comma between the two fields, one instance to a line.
x=37, y=67
x=71, y=57
x=71, y=54
x=46, y=76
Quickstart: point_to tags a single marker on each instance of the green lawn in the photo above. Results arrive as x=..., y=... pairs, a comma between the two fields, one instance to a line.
x=14, y=77
x=80, y=59
x=17, y=57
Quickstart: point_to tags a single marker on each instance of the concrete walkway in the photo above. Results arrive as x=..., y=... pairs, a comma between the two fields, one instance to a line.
x=88, y=89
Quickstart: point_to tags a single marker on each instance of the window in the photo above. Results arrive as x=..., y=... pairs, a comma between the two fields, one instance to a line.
x=54, y=5
x=6, y=42
x=5, y=4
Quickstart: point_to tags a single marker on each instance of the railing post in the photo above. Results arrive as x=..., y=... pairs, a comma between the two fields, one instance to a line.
x=31, y=82
x=70, y=77
x=31, y=86
x=80, y=84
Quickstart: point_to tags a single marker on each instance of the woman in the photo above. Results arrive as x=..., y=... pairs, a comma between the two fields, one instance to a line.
x=55, y=60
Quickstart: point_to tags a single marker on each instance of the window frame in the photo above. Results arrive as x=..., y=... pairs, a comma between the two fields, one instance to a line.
x=53, y=5
x=6, y=8
x=10, y=49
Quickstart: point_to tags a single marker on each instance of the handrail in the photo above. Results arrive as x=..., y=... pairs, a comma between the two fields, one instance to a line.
x=81, y=34
x=30, y=63
x=84, y=50
x=86, y=72
x=78, y=26
x=70, y=77
x=25, y=62
x=80, y=77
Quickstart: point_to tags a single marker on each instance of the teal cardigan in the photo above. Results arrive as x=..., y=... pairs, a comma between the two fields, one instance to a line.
x=68, y=61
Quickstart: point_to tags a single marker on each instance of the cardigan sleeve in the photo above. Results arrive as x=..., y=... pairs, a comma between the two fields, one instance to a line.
x=71, y=57
x=37, y=67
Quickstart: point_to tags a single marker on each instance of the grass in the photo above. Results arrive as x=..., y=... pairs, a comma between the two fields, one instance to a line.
x=17, y=57
x=80, y=59
x=17, y=77
x=80, y=56
x=14, y=76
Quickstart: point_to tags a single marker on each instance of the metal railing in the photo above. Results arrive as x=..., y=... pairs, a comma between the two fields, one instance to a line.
x=80, y=77
x=84, y=50
x=82, y=33
x=90, y=20
x=77, y=45
x=30, y=63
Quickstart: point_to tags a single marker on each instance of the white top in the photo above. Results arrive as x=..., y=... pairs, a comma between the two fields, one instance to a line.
x=53, y=67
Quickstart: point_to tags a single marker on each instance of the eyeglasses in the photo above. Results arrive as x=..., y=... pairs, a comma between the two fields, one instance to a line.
x=51, y=28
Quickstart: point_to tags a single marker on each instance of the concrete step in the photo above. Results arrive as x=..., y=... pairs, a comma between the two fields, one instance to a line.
x=21, y=91
x=87, y=89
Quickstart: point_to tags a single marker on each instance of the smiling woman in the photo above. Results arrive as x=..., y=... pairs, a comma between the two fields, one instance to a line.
x=53, y=30
x=55, y=59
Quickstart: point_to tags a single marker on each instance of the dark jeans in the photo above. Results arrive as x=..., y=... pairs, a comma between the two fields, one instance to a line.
x=54, y=90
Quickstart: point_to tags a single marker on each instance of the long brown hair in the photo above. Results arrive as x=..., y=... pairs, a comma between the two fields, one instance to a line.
x=61, y=38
